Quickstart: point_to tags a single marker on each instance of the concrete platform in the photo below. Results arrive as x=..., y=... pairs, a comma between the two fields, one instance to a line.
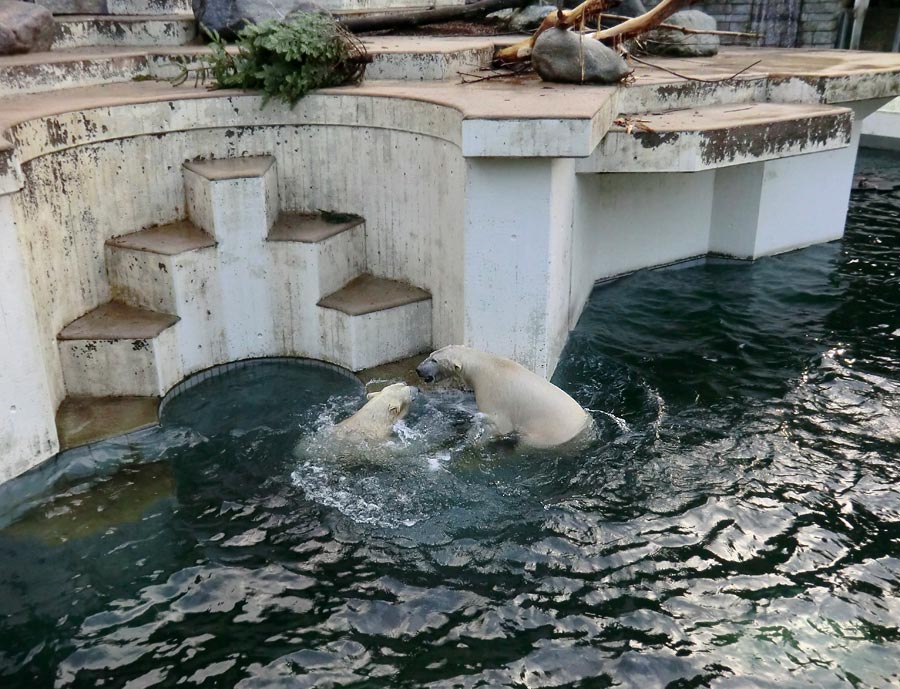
x=308, y=228
x=117, y=321
x=166, y=240
x=368, y=294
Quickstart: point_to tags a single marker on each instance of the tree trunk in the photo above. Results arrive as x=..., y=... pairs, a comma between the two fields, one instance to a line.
x=409, y=20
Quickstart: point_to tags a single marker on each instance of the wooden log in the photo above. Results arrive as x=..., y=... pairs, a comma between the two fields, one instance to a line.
x=409, y=20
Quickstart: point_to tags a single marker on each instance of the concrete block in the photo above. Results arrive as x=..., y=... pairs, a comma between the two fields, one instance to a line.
x=117, y=350
x=367, y=340
x=373, y=321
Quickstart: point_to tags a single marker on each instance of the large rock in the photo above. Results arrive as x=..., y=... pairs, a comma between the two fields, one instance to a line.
x=24, y=28
x=672, y=42
x=229, y=16
x=558, y=56
x=524, y=20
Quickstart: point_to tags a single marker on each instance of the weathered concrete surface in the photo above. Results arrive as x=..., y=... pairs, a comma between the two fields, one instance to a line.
x=134, y=7
x=77, y=31
x=24, y=28
x=694, y=139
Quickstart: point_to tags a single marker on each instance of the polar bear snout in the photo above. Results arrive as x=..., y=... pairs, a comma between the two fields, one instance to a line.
x=428, y=370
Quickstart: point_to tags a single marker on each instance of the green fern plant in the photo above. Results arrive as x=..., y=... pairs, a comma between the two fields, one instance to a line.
x=285, y=59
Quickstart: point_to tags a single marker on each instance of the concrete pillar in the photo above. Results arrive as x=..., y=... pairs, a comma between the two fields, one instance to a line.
x=236, y=201
x=27, y=414
x=766, y=208
x=517, y=265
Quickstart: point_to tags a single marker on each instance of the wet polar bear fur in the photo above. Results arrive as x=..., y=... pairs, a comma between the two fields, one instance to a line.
x=376, y=418
x=511, y=398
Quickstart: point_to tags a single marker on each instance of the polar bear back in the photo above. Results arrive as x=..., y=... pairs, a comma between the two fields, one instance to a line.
x=517, y=400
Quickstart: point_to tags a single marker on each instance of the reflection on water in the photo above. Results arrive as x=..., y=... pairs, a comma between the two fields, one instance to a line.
x=735, y=524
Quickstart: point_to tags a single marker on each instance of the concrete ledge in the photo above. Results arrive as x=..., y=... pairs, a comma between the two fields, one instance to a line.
x=690, y=140
x=231, y=168
x=308, y=228
x=167, y=240
x=368, y=294
x=76, y=31
x=117, y=321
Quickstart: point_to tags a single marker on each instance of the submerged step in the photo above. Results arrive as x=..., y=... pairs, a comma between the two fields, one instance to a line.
x=368, y=294
x=310, y=228
x=76, y=31
x=84, y=420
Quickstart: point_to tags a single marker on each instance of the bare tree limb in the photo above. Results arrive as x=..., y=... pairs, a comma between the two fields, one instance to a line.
x=644, y=22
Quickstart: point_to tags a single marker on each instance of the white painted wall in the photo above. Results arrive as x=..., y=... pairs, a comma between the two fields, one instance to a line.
x=881, y=129
x=27, y=427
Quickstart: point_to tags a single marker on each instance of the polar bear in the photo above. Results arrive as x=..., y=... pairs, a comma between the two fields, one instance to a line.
x=512, y=398
x=376, y=418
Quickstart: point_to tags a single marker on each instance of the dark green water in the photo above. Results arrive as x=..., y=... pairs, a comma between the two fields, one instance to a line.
x=736, y=525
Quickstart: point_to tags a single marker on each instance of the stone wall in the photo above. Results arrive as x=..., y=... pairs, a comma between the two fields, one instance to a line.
x=785, y=23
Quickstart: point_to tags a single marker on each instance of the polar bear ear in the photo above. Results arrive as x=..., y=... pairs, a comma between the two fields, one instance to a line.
x=457, y=366
x=394, y=408
x=372, y=395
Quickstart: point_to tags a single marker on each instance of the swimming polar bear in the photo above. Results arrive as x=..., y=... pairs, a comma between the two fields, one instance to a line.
x=376, y=418
x=512, y=398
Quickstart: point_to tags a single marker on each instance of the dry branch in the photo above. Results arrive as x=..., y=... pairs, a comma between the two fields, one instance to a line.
x=592, y=8
x=644, y=22
x=684, y=29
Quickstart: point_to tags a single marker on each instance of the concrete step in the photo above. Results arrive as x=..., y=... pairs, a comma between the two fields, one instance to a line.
x=119, y=350
x=117, y=6
x=317, y=257
x=163, y=268
x=85, y=420
x=374, y=320
x=695, y=139
x=76, y=31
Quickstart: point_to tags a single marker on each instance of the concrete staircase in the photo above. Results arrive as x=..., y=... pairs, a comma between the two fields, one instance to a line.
x=95, y=23
x=239, y=279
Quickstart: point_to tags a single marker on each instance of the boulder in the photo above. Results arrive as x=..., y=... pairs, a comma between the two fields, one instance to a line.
x=672, y=42
x=227, y=17
x=558, y=56
x=524, y=20
x=25, y=28
x=528, y=19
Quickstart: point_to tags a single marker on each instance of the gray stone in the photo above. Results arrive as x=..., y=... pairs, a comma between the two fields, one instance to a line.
x=25, y=28
x=567, y=57
x=524, y=20
x=529, y=18
x=672, y=42
x=227, y=17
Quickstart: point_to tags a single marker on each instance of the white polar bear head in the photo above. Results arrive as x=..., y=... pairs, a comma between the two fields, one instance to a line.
x=442, y=363
x=391, y=403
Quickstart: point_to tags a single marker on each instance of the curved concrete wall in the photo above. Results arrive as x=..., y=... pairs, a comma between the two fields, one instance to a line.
x=78, y=194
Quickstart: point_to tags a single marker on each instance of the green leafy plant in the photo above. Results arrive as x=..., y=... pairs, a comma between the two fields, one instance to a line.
x=285, y=59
